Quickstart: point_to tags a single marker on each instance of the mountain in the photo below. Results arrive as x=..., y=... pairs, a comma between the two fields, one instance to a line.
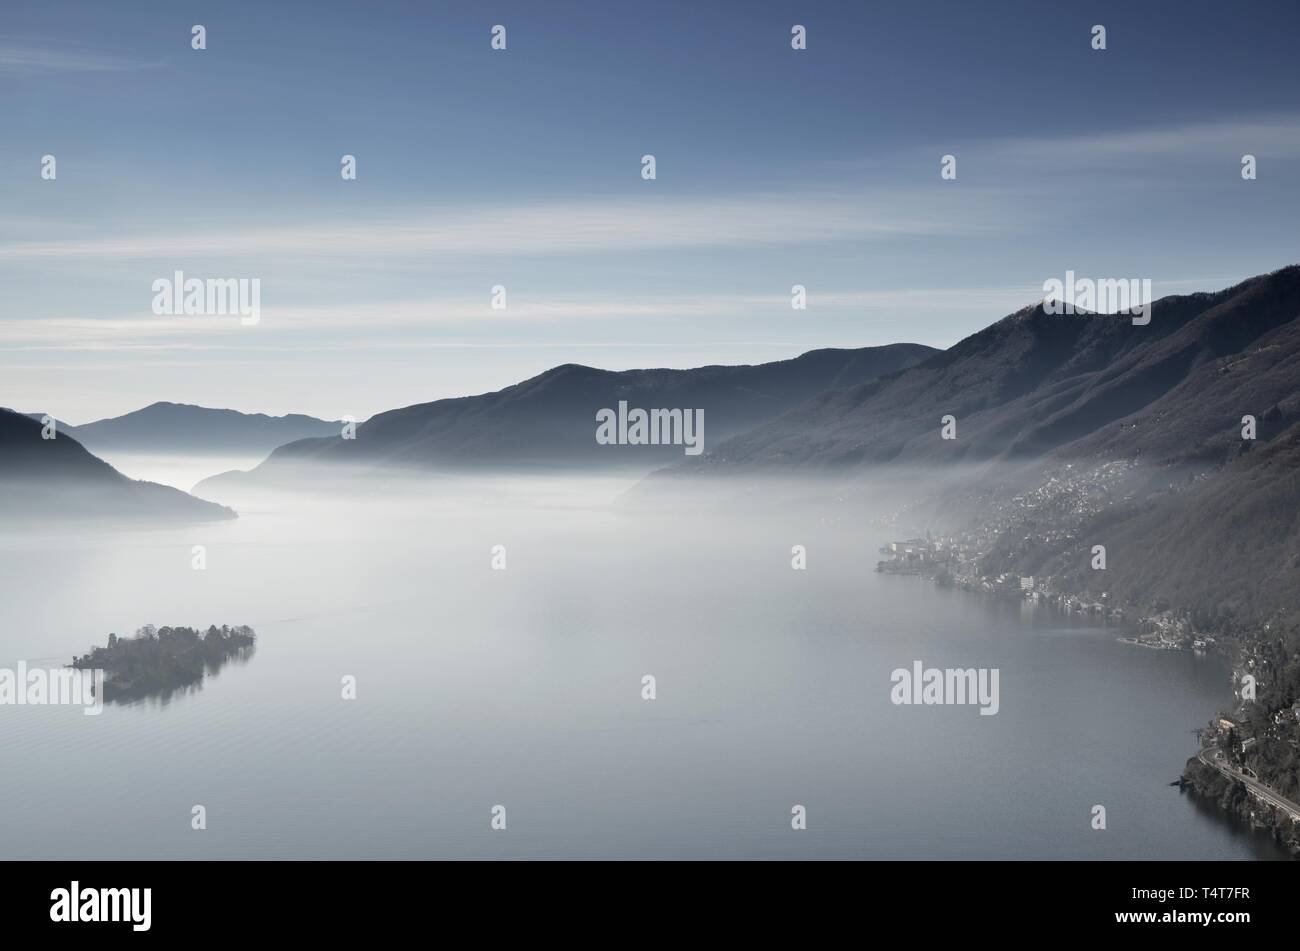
x=1078, y=430
x=43, y=479
x=549, y=421
x=176, y=428
x=1069, y=386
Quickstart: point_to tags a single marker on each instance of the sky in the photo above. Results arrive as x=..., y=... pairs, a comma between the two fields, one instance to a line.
x=522, y=168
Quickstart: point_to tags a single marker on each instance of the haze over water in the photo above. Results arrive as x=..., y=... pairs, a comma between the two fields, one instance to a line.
x=522, y=687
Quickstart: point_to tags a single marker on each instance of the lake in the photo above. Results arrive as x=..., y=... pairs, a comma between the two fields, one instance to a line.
x=522, y=688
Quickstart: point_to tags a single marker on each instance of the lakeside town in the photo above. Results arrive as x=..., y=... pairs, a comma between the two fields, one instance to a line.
x=954, y=563
x=1032, y=526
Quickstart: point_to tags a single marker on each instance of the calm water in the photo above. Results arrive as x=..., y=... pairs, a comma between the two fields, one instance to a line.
x=523, y=688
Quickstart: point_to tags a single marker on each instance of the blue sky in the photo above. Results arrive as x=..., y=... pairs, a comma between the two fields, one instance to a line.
x=522, y=168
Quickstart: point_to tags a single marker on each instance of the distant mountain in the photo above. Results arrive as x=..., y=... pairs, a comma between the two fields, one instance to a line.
x=550, y=420
x=178, y=428
x=46, y=479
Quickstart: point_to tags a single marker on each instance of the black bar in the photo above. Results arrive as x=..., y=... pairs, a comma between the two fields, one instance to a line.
x=329, y=900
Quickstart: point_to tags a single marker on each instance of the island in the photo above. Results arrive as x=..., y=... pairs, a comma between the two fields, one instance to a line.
x=159, y=660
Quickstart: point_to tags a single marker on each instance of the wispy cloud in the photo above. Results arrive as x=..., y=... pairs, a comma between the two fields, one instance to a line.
x=314, y=326
x=774, y=218
x=1272, y=135
x=472, y=318
x=33, y=57
x=1276, y=136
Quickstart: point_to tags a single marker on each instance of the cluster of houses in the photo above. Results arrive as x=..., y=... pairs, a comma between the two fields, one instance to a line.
x=1288, y=715
x=954, y=561
x=1218, y=730
x=918, y=556
x=1165, y=631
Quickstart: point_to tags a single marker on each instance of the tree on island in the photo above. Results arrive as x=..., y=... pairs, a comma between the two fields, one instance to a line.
x=160, y=660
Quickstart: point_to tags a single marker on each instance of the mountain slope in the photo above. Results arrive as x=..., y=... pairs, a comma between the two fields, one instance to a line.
x=550, y=420
x=1221, y=548
x=1034, y=384
x=1228, y=547
x=44, y=479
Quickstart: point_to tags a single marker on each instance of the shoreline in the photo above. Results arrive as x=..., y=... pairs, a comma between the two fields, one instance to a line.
x=1227, y=798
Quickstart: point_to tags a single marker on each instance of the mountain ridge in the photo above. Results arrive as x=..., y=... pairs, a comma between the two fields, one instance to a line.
x=1032, y=384
x=549, y=419
x=167, y=427
x=1084, y=430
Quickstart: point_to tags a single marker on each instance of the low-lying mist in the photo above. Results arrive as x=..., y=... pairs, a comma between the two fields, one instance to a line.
x=498, y=633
